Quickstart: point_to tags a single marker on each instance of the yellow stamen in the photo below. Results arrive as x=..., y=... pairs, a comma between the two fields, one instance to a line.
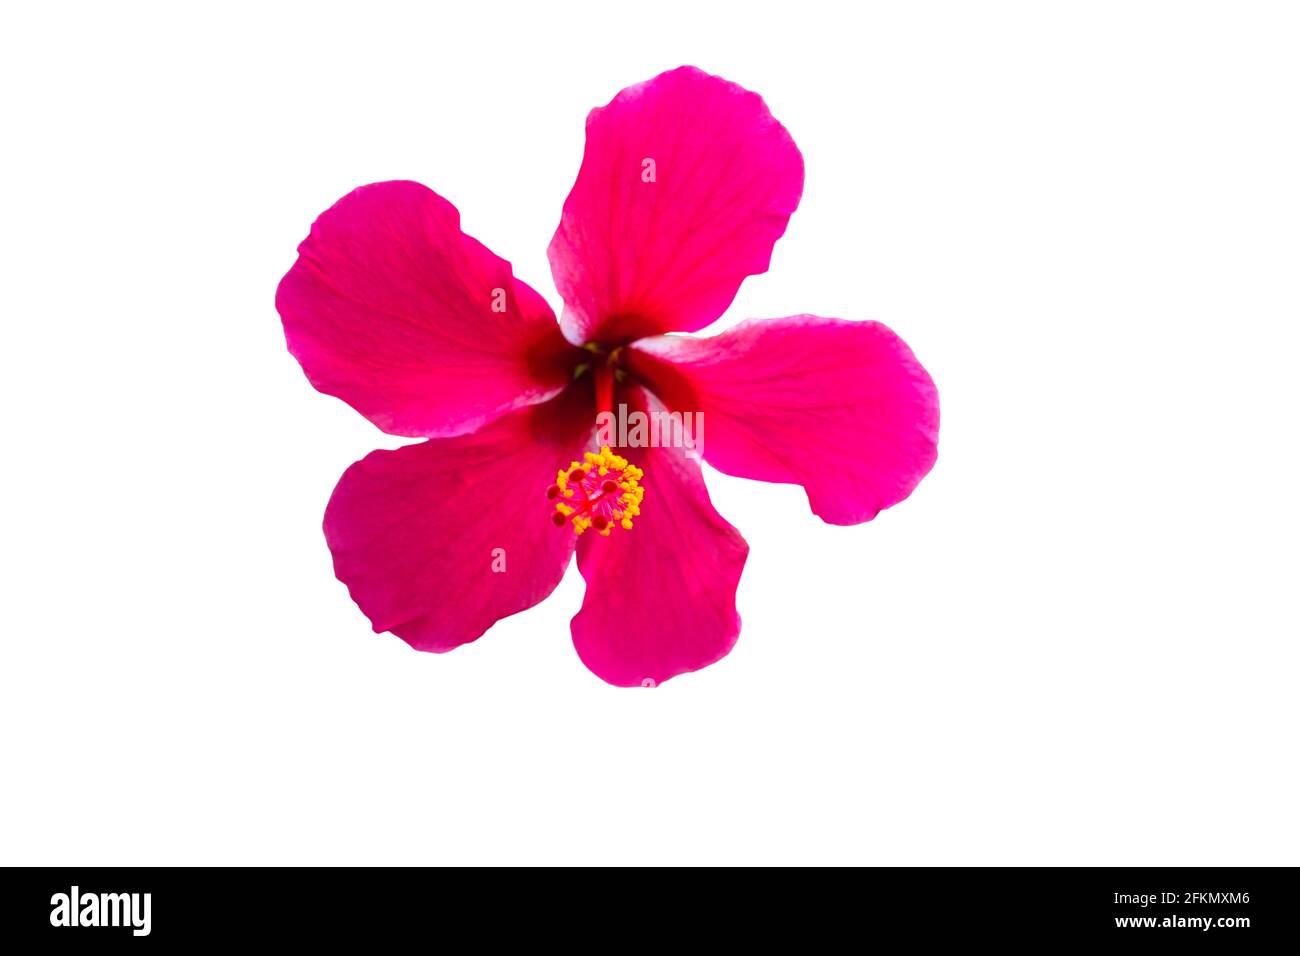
x=587, y=504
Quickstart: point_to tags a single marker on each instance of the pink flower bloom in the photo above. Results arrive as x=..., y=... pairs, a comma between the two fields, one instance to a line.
x=686, y=184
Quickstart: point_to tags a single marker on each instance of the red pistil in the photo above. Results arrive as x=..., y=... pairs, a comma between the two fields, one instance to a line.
x=605, y=388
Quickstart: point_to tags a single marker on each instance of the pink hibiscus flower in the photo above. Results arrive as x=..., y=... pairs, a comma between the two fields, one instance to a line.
x=686, y=183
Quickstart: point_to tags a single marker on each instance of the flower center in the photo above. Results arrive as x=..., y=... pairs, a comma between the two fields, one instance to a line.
x=600, y=492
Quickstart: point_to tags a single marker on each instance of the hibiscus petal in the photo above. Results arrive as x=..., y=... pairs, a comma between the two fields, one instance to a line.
x=634, y=258
x=842, y=408
x=393, y=309
x=661, y=598
x=419, y=535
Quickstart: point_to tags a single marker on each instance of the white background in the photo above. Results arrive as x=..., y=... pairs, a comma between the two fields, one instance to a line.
x=1075, y=643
